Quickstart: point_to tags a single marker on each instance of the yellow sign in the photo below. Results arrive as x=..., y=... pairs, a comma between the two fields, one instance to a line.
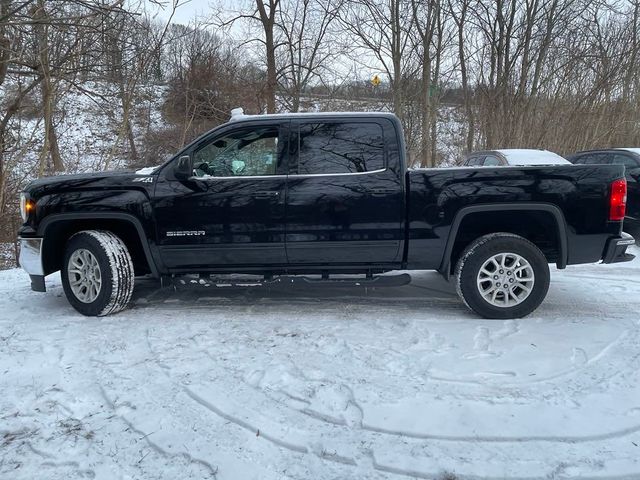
x=375, y=81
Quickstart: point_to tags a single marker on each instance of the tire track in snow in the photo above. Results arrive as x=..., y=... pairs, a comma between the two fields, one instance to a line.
x=368, y=435
x=213, y=470
x=244, y=423
x=578, y=370
x=583, y=380
x=262, y=427
x=607, y=369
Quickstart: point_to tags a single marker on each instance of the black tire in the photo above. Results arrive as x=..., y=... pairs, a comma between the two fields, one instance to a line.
x=116, y=272
x=479, y=252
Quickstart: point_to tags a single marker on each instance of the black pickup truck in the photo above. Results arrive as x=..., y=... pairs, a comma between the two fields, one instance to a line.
x=321, y=194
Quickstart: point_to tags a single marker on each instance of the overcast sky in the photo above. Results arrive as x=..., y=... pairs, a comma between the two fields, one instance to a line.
x=187, y=9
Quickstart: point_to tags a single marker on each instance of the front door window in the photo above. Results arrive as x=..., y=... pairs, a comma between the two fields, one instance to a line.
x=241, y=153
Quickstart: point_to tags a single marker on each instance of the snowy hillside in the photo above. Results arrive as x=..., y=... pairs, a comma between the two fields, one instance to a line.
x=88, y=127
x=322, y=383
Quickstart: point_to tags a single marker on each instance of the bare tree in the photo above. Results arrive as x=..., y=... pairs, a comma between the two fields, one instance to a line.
x=41, y=21
x=381, y=35
x=458, y=13
x=305, y=27
x=264, y=14
x=132, y=68
x=428, y=21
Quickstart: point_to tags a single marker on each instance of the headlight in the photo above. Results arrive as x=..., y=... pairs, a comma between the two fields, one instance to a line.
x=26, y=206
x=23, y=207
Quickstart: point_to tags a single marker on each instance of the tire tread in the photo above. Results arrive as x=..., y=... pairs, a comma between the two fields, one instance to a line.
x=471, y=250
x=120, y=266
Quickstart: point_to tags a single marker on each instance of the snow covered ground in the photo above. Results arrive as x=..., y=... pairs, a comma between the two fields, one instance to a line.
x=322, y=383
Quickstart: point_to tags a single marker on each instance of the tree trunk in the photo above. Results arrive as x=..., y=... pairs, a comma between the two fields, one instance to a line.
x=425, y=111
x=271, y=73
x=268, y=20
x=396, y=53
x=464, y=76
x=295, y=100
x=126, y=117
x=50, y=146
x=4, y=63
x=433, y=119
x=5, y=43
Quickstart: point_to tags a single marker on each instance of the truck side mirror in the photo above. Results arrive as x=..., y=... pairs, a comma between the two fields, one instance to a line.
x=183, y=169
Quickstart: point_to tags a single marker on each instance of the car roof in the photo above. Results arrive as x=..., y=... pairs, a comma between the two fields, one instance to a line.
x=635, y=150
x=525, y=156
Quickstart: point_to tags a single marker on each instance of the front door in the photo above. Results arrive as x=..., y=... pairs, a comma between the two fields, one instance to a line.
x=231, y=212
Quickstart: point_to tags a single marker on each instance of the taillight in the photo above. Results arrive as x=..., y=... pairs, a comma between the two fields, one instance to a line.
x=618, y=200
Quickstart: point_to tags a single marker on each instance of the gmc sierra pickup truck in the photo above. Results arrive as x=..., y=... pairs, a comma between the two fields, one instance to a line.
x=321, y=194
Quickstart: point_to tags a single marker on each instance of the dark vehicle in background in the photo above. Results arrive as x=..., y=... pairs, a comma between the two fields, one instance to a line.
x=515, y=157
x=322, y=194
x=630, y=158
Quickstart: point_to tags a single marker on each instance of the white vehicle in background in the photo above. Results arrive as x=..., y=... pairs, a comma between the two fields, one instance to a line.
x=517, y=157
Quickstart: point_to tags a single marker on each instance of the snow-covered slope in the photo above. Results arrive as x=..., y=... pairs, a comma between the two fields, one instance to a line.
x=88, y=124
x=271, y=383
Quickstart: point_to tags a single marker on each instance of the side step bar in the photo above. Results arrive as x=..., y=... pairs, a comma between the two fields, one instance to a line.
x=292, y=280
x=373, y=281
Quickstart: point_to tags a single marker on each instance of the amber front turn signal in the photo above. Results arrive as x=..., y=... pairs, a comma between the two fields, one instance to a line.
x=26, y=206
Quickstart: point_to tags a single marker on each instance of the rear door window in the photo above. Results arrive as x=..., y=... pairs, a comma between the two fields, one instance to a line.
x=491, y=161
x=593, y=159
x=628, y=162
x=340, y=147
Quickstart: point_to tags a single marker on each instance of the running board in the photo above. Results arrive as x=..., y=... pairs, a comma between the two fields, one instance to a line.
x=297, y=280
x=374, y=281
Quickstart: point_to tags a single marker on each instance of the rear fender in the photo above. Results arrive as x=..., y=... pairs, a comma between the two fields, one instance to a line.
x=445, y=264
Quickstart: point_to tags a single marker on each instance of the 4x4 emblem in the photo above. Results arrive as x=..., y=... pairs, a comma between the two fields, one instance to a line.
x=143, y=179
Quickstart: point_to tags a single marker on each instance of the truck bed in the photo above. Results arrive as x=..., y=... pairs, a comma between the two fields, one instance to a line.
x=571, y=203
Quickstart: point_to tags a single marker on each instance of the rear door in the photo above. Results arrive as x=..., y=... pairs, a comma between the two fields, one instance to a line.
x=345, y=198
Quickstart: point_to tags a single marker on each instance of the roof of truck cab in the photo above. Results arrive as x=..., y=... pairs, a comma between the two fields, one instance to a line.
x=306, y=115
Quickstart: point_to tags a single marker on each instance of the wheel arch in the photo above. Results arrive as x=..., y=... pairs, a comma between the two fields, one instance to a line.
x=56, y=230
x=499, y=215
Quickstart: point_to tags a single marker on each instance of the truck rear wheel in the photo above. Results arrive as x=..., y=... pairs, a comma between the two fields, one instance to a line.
x=502, y=275
x=97, y=273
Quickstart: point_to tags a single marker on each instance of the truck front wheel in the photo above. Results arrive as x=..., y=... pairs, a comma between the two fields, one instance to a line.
x=502, y=275
x=97, y=273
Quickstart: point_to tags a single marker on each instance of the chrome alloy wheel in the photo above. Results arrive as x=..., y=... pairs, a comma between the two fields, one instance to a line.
x=85, y=278
x=505, y=280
